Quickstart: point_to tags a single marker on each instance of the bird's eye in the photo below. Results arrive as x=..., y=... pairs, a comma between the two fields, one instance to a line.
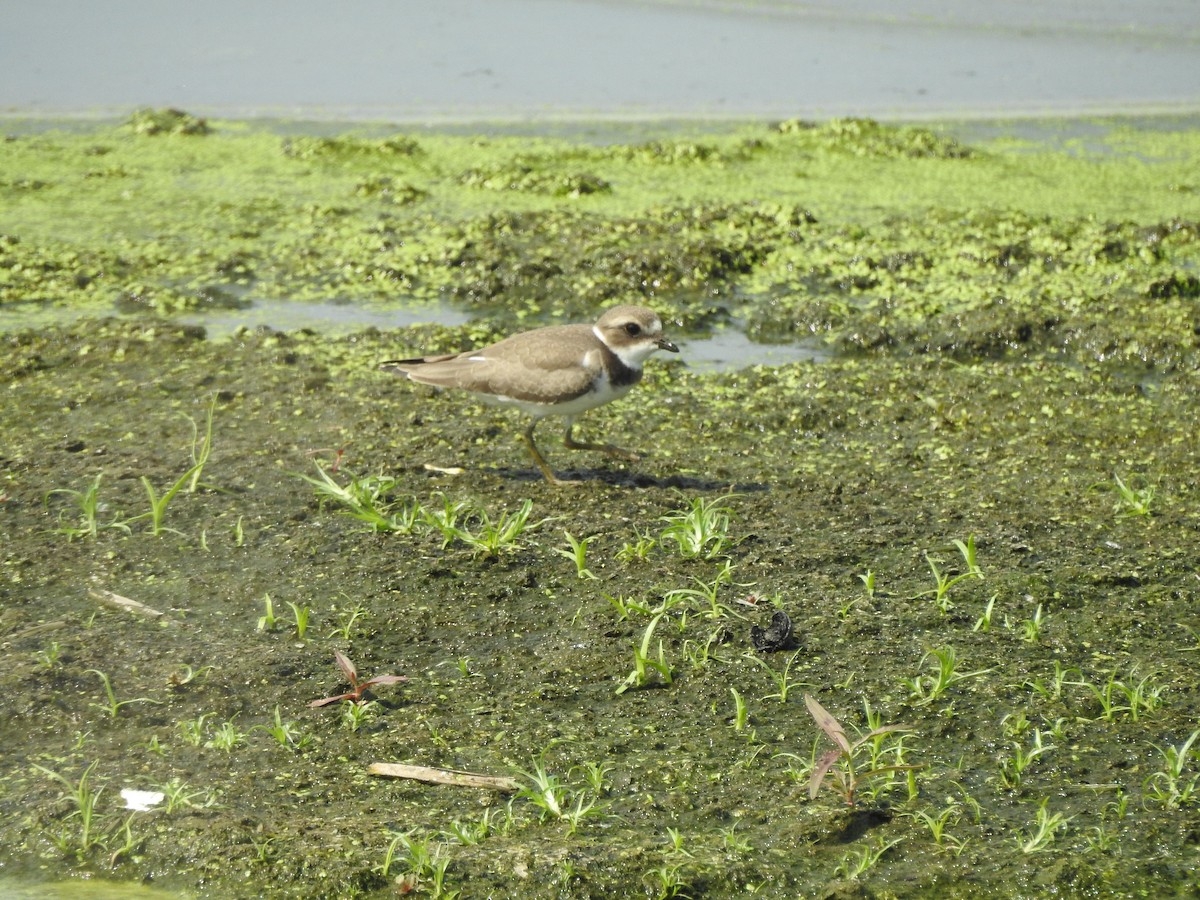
x=633, y=329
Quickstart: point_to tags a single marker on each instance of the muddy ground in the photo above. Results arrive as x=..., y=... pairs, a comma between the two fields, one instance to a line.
x=1005, y=419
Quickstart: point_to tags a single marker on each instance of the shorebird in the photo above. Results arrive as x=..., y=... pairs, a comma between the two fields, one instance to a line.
x=561, y=370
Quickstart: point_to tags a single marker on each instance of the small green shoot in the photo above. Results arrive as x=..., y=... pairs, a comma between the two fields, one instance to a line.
x=47, y=658
x=943, y=582
x=858, y=862
x=868, y=580
x=701, y=530
x=87, y=502
x=268, y=621
x=1012, y=768
x=1031, y=629
x=1046, y=828
x=643, y=664
x=356, y=715
x=492, y=538
x=113, y=706
x=578, y=555
x=638, y=550
x=300, y=615
x=84, y=798
x=1170, y=787
x=556, y=800
x=286, y=734
x=1132, y=502
x=924, y=689
x=226, y=736
x=782, y=679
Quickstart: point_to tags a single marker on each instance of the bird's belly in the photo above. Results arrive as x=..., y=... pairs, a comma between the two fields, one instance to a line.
x=602, y=392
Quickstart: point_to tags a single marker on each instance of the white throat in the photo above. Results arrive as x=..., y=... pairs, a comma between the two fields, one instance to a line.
x=632, y=355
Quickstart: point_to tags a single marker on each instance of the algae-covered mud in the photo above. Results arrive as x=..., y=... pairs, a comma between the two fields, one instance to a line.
x=980, y=518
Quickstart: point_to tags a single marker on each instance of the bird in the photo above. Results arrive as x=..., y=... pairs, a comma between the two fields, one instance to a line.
x=559, y=370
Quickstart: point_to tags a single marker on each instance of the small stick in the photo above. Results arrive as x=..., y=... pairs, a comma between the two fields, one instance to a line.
x=108, y=598
x=445, y=776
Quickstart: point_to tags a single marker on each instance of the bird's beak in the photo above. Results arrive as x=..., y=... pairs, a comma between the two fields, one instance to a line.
x=664, y=344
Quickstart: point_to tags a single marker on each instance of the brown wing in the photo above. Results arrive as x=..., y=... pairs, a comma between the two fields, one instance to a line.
x=544, y=365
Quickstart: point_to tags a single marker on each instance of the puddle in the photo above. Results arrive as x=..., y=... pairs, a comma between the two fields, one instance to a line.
x=727, y=350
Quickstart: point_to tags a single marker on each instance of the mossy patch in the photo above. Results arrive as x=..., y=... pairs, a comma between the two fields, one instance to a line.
x=1019, y=376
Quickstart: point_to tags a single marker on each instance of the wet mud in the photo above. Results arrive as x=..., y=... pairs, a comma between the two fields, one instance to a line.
x=981, y=519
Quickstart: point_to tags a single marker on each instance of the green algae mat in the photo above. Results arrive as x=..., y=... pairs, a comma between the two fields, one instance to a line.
x=918, y=621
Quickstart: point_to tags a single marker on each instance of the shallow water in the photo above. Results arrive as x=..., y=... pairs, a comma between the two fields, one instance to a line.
x=547, y=59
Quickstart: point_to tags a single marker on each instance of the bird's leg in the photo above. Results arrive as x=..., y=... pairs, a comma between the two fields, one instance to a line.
x=571, y=444
x=527, y=434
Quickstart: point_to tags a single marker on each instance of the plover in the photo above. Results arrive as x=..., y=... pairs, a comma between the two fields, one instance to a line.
x=561, y=370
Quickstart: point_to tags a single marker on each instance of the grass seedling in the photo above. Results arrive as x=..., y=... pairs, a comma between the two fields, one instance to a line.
x=126, y=844
x=1031, y=629
x=201, y=445
x=1012, y=768
x=555, y=800
x=192, y=730
x=706, y=592
x=286, y=734
x=357, y=687
x=782, y=679
x=1139, y=698
x=1130, y=502
x=924, y=689
x=47, y=657
x=839, y=768
x=741, y=715
x=735, y=844
x=937, y=825
x=89, y=506
x=445, y=520
x=225, y=737
x=666, y=882
x=179, y=795
x=1170, y=786
x=625, y=607
x=365, y=499
x=1045, y=829
x=700, y=654
x=268, y=622
x=859, y=862
x=424, y=868
x=84, y=798
x=984, y=622
x=642, y=663
x=471, y=833
x=943, y=583
x=113, y=706
x=300, y=614
x=702, y=530
x=578, y=555
x=637, y=550
x=1063, y=676
x=868, y=580
x=160, y=502
x=348, y=618
x=356, y=715
x=492, y=538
